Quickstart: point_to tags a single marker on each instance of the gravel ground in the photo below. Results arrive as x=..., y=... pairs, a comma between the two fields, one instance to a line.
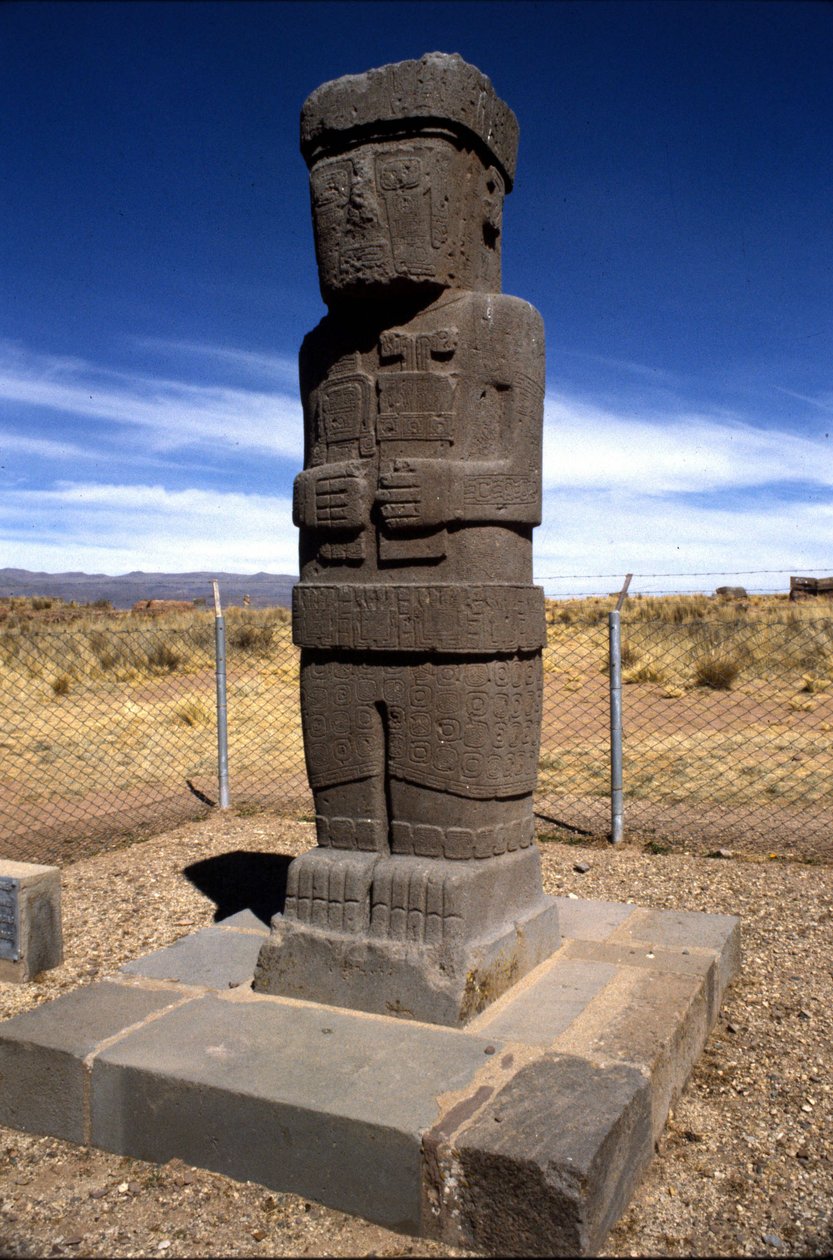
x=745, y=1166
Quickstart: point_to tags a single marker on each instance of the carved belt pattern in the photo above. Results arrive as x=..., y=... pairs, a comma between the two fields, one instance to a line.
x=465, y=620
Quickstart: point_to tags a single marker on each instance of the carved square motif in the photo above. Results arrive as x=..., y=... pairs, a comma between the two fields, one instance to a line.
x=331, y=183
x=345, y=408
x=396, y=173
x=445, y=760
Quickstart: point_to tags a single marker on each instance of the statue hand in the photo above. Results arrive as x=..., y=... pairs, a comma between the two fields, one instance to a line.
x=332, y=497
x=413, y=494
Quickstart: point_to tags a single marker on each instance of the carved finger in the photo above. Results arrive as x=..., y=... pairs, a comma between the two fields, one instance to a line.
x=392, y=481
x=405, y=494
x=399, y=511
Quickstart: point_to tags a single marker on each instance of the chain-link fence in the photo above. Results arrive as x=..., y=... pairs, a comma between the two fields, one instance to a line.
x=109, y=732
x=727, y=732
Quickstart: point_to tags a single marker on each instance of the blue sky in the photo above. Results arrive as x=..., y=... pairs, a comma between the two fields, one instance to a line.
x=671, y=220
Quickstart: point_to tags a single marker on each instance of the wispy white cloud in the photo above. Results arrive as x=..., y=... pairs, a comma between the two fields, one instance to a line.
x=169, y=414
x=622, y=531
x=644, y=371
x=825, y=403
x=275, y=366
x=679, y=493
x=40, y=448
x=625, y=489
x=587, y=446
x=116, y=528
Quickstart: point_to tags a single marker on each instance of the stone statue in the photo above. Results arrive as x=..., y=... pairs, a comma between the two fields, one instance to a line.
x=420, y=629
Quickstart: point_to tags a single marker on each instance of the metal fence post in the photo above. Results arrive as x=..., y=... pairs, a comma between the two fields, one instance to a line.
x=615, y=634
x=222, y=722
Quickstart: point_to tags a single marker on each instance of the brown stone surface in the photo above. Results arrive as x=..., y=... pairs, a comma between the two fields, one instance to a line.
x=420, y=629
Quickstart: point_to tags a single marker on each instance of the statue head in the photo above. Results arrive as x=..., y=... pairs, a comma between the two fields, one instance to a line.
x=409, y=165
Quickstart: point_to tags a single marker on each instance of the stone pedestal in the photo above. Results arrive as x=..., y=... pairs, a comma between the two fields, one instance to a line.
x=524, y=1133
x=422, y=938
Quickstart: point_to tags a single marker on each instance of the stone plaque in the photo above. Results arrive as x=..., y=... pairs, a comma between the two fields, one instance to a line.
x=10, y=919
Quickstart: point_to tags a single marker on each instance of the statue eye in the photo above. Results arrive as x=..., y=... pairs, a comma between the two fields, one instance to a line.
x=331, y=186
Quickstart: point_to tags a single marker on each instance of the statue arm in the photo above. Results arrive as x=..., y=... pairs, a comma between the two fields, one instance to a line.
x=506, y=486
x=418, y=493
x=422, y=493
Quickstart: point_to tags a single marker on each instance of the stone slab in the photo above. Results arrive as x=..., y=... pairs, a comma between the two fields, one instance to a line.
x=526, y=1132
x=298, y=1097
x=686, y=929
x=247, y=920
x=584, y=920
x=550, y=1163
x=656, y=1022
x=43, y=1054
x=217, y=958
x=31, y=937
x=556, y=994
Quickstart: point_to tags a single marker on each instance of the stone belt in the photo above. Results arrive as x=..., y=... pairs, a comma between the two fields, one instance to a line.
x=453, y=619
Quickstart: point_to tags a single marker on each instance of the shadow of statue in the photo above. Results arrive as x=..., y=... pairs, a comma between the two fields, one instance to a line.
x=242, y=880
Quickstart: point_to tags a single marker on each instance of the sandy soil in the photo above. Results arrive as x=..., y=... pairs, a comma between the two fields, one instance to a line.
x=745, y=1166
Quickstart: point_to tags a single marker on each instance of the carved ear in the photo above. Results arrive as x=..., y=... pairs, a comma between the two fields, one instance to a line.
x=493, y=190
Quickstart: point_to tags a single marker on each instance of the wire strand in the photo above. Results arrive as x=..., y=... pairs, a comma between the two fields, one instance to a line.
x=561, y=577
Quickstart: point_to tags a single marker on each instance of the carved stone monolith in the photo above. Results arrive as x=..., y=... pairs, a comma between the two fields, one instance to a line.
x=420, y=629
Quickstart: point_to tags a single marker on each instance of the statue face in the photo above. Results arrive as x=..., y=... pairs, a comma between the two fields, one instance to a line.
x=405, y=215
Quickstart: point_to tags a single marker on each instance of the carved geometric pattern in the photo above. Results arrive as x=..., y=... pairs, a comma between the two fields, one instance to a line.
x=462, y=843
x=498, y=488
x=419, y=618
x=468, y=728
x=329, y=895
x=407, y=905
x=364, y=834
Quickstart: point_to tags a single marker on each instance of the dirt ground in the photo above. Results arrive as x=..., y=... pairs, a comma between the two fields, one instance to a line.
x=745, y=1166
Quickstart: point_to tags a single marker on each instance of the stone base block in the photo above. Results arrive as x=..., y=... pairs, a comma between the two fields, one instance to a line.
x=30, y=920
x=524, y=1133
x=420, y=938
x=394, y=978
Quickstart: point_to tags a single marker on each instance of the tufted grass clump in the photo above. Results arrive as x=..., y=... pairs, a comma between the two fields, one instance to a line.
x=249, y=637
x=716, y=671
x=644, y=672
x=193, y=713
x=814, y=685
x=164, y=657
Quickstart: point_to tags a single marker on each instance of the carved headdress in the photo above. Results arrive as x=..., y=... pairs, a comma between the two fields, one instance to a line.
x=440, y=91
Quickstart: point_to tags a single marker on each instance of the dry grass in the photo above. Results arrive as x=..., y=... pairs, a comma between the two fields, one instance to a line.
x=725, y=702
x=717, y=670
x=99, y=707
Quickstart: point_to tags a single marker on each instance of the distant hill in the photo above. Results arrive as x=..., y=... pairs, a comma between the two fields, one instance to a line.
x=266, y=590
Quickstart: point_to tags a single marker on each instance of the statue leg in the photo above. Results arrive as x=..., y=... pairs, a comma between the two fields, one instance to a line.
x=352, y=815
x=344, y=745
x=427, y=822
x=344, y=748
